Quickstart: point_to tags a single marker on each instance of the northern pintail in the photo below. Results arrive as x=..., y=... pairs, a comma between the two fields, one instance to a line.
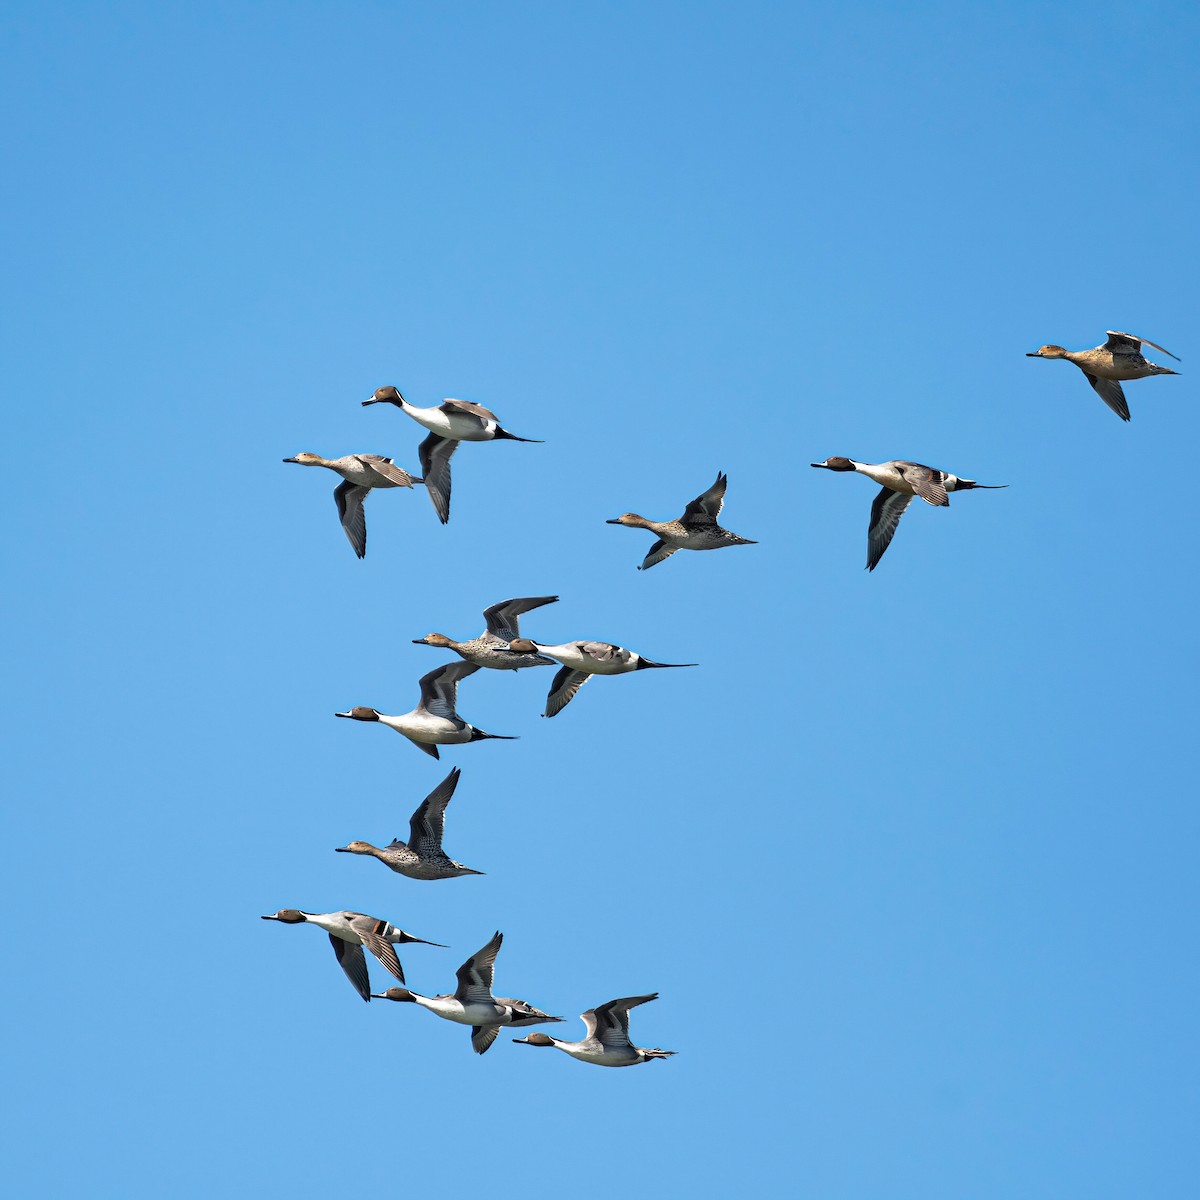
x=697, y=529
x=472, y=1002
x=422, y=857
x=580, y=661
x=449, y=423
x=489, y=649
x=434, y=722
x=349, y=932
x=361, y=473
x=901, y=482
x=607, y=1043
x=1119, y=358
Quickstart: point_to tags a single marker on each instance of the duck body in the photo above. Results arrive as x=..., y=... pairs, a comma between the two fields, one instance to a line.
x=900, y=481
x=607, y=1042
x=422, y=856
x=449, y=423
x=434, y=722
x=490, y=648
x=580, y=661
x=472, y=1002
x=697, y=529
x=348, y=933
x=1119, y=358
x=360, y=473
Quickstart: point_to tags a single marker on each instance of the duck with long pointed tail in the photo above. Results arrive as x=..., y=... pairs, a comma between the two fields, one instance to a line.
x=349, y=932
x=901, y=482
x=422, y=857
x=607, y=1043
x=361, y=473
x=434, y=722
x=1105, y=366
x=580, y=661
x=489, y=649
x=697, y=529
x=449, y=423
x=472, y=1002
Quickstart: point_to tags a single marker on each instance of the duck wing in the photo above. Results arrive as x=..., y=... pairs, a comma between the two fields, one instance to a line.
x=465, y=407
x=706, y=507
x=482, y=1036
x=566, y=683
x=439, y=688
x=502, y=619
x=927, y=482
x=387, y=470
x=886, y=510
x=428, y=823
x=435, y=453
x=609, y=1023
x=656, y=554
x=1111, y=392
x=1126, y=343
x=352, y=960
x=349, y=498
x=475, y=976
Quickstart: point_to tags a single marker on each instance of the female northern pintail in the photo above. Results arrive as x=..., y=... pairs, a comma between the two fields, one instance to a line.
x=901, y=482
x=580, y=661
x=490, y=648
x=607, y=1043
x=361, y=473
x=349, y=932
x=423, y=856
x=1119, y=358
x=697, y=529
x=449, y=423
x=434, y=721
x=472, y=1002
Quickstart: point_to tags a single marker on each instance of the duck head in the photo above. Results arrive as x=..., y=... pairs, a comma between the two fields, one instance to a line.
x=359, y=713
x=837, y=463
x=534, y=1039
x=289, y=916
x=432, y=639
x=1048, y=352
x=356, y=848
x=386, y=395
x=398, y=994
x=627, y=519
x=522, y=646
x=305, y=459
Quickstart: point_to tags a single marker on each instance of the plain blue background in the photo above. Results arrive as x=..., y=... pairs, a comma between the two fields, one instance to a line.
x=910, y=856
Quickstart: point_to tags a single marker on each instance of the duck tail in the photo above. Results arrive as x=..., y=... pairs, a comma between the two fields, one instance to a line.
x=643, y=663
x=477, y=735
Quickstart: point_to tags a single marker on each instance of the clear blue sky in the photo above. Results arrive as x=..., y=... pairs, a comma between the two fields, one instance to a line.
x=911, y=856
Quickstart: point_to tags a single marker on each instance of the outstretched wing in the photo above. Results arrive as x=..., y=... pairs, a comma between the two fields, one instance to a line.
x=352, y=960
x=609, y=1023
x=435, y=453
x=428, y=823
x=465, y=407
x=482, y=1036
x=502, y=618
x=349, y=498
x=886, y=511
x=927, y=482
x=656, y=554
x=1111, y=392
x=706, y=507
x=439, y=688
x=1126, y=343
x=476, y=974
x=562, y=691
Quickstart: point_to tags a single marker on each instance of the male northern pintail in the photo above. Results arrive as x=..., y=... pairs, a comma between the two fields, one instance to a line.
x=449, y=423
x=697, y=529
x=361, y=473
x=472, y=1002
x=607, y=1043
x=490, y=648
x=1119, y=358
x=423, y=856
x=434, y=721
x=349, y=932
x=580, y=661
x=901, y=482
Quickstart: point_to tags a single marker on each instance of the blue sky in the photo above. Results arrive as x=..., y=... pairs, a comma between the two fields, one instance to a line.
x=910, y=857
